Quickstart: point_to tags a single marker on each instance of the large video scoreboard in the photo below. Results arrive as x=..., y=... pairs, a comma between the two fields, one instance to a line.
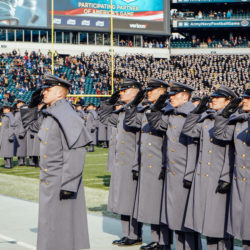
x=129, y=16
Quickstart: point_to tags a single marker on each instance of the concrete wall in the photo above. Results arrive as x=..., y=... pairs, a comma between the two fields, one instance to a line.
x=73, y=50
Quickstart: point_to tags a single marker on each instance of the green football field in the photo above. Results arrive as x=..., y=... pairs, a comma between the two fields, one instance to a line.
x=94, y=175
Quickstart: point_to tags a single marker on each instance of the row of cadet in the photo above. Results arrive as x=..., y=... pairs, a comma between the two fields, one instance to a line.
x=181, y=166
x=23, y=143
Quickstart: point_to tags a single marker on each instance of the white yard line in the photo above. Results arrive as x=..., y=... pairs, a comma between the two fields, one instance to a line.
x=19, y=243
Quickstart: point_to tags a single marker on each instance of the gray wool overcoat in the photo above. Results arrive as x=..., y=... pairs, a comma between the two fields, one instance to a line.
x=62, y=223
x=152, y=157
x=207, y=210
x=236, y=130
x=178, y=149
x=21, y=137
x=7, y=136
x=126, y=158
x=91, y=125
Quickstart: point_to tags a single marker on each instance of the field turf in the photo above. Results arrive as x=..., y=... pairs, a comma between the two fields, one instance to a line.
x=94, y=175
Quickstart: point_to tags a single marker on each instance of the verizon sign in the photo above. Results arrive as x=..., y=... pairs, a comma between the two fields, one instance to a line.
x=138, y=26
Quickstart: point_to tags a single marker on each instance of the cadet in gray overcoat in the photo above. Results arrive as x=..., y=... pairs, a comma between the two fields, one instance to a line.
x=207, y=210
x=21, y=136
x=152, y=157
x=123, y=187
x=62, y=212
x=236, y=128
x=103, y=134
x=91, y=125
x=171, y=120
x=7, y=137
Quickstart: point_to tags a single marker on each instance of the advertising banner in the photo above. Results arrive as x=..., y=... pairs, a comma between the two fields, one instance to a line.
x=211, y=24
x=136, y=16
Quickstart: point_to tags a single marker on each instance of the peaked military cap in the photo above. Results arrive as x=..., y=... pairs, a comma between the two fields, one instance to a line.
x=19, y=100
x=128, y=83
x=51, y=81
x=195, y=98
x=247, y=92
x=223, y=91
x=154, y=83
x=177, y=87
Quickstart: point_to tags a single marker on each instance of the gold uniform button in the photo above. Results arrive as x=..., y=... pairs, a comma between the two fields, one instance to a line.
x=234, y=141
x=45, y=156
x=243, y=167
x=173, y=139
x=244, y=143
x=122, y=163
x=210, y=151
x=247, y=131
x=45, y=143
x=40, y=181
x=144, y=121
x=198, y=173
x=150, y=166
x=175, y=127
x=47, y=129
x=173, y=150
x=45, y=170
x=206, y=175
x=47, y=183
x=208, y=163
x=211, y=139
x=142, y=131
x=174, y=173
x=122, y=153
x=238, y=130
x=173, y=162
x=243, y=156
x=123, y=132
x=244, y=179
x=206, y=126
x=149, y=144
x=179, y=115
x=123, y=142
x=150, y=133
x=149, y=156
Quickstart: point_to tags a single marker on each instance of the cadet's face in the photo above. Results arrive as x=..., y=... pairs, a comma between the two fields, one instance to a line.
x=6, y=110
x=154, y=94
x=246, y=105
x=219, y=103
x=19, y=105
x=128, y=95
x=178, y=99
x=79, y=108
x=50, y=95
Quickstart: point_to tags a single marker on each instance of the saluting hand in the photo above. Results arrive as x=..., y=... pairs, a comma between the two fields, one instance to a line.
x=231, y=107
x=160, y=103
x=114, y=98
x=202, y=106
x=36, y=98
x=138, y=98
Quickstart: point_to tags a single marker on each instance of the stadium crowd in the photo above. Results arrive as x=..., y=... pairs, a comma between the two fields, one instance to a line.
x=199, y=71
